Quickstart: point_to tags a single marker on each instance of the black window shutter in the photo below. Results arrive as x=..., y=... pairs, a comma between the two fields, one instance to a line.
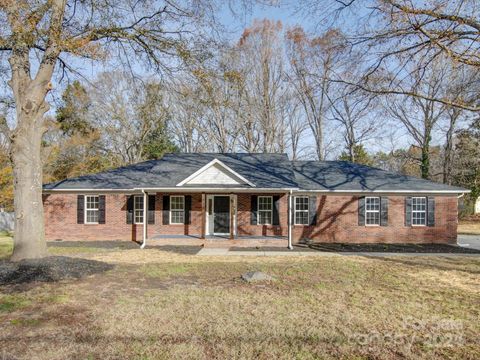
x=384, y=211
x=361, y=211
x=408, y=211
x=430, y=211
x=166, y=210
x=312, y=210
x=129, y=209
x=276, y=210
x=80, y=209
x=253, y=210
x=151, y=209
x=101, y=209
x=188, y=209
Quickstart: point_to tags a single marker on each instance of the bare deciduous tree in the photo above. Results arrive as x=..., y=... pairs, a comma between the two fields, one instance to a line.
x=55, y=31
x=354, y=110
x=312, y=62
x=420, y=116
x=401, y=34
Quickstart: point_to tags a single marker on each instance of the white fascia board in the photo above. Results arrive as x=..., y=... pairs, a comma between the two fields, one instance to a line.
x=444, y=192
x=47, y=191
x=211, y=163
x=171, y=189
x=218, y=190
x=294, y=190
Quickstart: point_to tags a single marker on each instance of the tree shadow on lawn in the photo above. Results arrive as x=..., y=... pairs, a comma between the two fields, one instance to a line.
x=469, y=265
x=123, y=245
x=49, y=269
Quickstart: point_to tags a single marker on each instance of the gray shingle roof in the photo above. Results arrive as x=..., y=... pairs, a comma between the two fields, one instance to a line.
x=346, y=176
x=263, y=170
x=268, y=171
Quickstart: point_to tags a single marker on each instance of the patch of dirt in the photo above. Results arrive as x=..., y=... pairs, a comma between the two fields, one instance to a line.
x=49, y=269
x=393, y=248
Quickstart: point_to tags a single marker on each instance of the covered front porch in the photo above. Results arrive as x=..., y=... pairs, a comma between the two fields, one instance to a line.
x=216, y=205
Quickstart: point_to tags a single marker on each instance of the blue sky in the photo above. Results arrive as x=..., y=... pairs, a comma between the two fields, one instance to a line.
x=235, y=26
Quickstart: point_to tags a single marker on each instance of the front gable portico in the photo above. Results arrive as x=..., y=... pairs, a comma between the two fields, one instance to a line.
x=215, y=173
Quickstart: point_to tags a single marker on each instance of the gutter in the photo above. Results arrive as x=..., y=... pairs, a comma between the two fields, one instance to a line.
x=339, y=192
x=290, y=197
x=145, y=218
x=250, y=190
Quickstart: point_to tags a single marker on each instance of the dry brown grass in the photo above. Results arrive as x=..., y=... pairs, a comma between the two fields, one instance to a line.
x=469, y=227
x=159, y=304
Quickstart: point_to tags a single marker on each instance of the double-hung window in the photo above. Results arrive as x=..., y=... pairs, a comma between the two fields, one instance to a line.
x=91, y=209
x=372, y=211
x=265, y=210
x=177, y=209
x=138, y=209
x=301, y=210
x=419, y=211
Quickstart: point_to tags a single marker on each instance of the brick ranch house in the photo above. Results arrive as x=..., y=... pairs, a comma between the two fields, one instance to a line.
x=250, y=199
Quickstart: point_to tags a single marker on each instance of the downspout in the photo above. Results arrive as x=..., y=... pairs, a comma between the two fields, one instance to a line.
x=290, y=220
x=461, y=195
x=145, y=218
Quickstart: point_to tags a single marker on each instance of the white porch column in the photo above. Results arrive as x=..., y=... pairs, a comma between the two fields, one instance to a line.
x=145, y=218
x=289, y=221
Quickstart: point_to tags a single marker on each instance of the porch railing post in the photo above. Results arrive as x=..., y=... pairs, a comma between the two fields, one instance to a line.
x=231, y=216
x=145, y=218
x=289, y=221
x=204, y=217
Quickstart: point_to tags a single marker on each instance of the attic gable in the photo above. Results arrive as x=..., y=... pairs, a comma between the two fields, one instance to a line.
x=215, y=173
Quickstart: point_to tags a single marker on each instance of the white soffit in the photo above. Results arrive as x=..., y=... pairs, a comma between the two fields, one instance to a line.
x=215, y=173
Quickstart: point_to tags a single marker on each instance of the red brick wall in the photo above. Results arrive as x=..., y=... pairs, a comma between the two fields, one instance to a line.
x=61, y=220
x=337, y=221
x=243, y=218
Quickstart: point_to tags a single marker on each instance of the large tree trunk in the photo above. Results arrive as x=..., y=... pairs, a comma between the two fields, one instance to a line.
x=29, y=237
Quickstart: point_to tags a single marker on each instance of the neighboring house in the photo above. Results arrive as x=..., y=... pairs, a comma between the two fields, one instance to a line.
x=246, y=199
x=477, y=206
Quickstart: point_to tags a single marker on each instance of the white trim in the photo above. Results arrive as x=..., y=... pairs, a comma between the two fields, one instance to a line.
x=211, y=163
x=379, y=211
x=210, y=230
x=85, y=209
x=258, y=209
x=145, y=218
x=299, y=191
x=295, y=210
x=135, y=209
x=289, y=220
x=295, y=191
x=170, y=210
x=417, y=211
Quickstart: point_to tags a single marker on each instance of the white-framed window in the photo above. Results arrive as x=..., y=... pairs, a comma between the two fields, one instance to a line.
x=265, y=210
x=91, y=209
x=301, y=210
x=138, y=209
x=177, y=209
x=419, y=211
x=372, y=211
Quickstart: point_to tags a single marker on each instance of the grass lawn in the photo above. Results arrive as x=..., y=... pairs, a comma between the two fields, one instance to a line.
x=469, y=227
x=165, y=304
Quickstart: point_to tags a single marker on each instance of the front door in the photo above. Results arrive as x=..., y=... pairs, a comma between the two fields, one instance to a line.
x=221, y=214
